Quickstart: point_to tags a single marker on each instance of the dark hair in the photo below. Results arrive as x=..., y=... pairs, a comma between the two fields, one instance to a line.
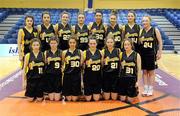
x=35, y=40
x=29, y=16
x=131, y=11
x=113, y=12
x=46, y=12
x=64, y=12
x=73, y=37
x=98, y=11
x=130, y=41
x=92, y=37
x=53, y=38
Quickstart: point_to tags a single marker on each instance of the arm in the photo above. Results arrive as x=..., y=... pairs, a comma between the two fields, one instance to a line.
x=159, y=39
x=19, y=41
x=26, y=60
x=82, y=58
x=139, y=67
x=45, y=57
x=123, y=32
x=63, y=59
x=102, y=58
x=73, y=29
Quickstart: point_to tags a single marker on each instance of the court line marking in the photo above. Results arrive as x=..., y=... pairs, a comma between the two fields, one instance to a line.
x=130, y=105
x=168, y=110
x=137, y=105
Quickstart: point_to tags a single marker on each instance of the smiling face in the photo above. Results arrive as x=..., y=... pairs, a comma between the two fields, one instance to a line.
x=146, y=22
x=110, y=43
x=35, y=46
x=113, y=19
x=29, y=22
x=65, y=18
x=81, y=19
x=127, y=45
x=53, y=44
x=131, y=17
x=92, y=44
x=46, y=18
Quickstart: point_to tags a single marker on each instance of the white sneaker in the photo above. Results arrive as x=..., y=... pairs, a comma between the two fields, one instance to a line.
x=150, y=91
x=145, y=92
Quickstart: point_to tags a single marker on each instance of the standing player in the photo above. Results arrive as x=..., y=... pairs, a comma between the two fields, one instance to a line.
x=131, y=30
x=111, y=69
x=151, y=50
x=53, y=79
x=97, y=29
x=82, y=32
x=115, y=30
x=72, y=59
x=25, y=35
x=92, y=72
x=33, y=71
x=131, y=71
x=64, y=31
x=46, y=31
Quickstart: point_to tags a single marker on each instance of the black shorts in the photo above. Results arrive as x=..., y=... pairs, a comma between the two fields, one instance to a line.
x=149, y=62
x=72, y=84
x=127, y=86
x=110, y=82
x=34, y=87
x=92, y=83
x=53, y=83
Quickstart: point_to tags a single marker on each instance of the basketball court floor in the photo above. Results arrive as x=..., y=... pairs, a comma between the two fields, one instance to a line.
x=165, y=101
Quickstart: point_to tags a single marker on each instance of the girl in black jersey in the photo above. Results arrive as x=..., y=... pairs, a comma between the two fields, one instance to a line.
x=151, y=50
x=131, y=71
x=72, y=60
x=115, y=30
x=64, y=31
x=92, y=71
x=33, y=72
x=53, y=79
x=82, y=32
x=131, y=30
x=25, y=35
x=46, y=31
x=111, y=69
x=97, y=28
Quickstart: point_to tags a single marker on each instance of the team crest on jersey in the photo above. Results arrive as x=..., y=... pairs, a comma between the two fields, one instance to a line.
x=106, y=60
x=67, y=59
x=35, y=34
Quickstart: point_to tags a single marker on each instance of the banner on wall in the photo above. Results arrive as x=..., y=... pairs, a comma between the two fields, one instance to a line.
x=8, y=50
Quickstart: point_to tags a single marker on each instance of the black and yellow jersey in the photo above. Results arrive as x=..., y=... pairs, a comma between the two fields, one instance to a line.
x=72, y=62
x=111, y=60
x=99, y=34
x=92, y=61
x=133, y=34
x=148, y=41
x=64, y=33
x=49, y=32
x=53, y=62
x=82, y=34
x=27, y=36
x=117, y=33
x=35, y=65
x=129, y=64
